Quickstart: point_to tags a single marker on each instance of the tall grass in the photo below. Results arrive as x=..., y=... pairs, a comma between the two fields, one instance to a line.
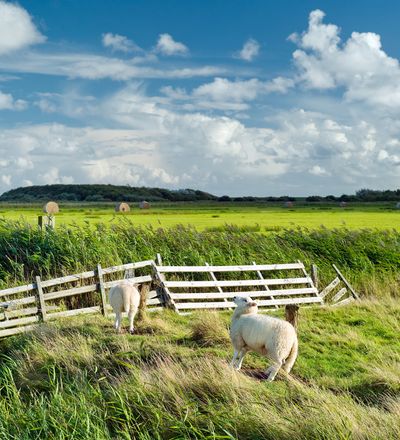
x=77, y=379
x=369, y=258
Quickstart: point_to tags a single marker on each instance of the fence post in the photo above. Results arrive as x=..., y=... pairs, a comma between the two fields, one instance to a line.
x=160, y=278
x=102, y=290
x=144, y=292
x=292, y=315
x=41, y=303
x=314, y=275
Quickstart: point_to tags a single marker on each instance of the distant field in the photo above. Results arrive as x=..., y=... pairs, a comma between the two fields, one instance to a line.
x=209, y=215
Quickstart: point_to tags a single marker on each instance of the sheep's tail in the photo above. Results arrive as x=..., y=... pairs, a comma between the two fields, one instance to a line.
x=292, y=356
x=127, y=303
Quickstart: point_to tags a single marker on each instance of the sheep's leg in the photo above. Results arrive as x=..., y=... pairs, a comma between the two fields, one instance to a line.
x=117, y=324
x=273, y=369
x=131, y=316
x=235, y=356
x=242, y=354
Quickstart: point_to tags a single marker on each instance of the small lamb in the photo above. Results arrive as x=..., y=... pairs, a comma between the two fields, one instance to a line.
x=124, y=297
x=268, y=336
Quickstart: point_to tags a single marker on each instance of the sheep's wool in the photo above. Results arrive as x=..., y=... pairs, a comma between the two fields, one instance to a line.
x=124, y=297
x=265, y=335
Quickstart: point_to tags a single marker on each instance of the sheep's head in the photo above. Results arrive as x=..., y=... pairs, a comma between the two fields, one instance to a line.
x=245, y=304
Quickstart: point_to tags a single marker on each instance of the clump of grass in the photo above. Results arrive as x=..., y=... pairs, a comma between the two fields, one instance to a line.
x=208, y=330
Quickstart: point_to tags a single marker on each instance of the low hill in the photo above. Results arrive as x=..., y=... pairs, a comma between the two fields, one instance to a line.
x=101, y=193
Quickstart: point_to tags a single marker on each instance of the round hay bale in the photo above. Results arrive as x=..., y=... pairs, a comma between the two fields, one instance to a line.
x=51, y=208
x=122, y=207
x=144, y=205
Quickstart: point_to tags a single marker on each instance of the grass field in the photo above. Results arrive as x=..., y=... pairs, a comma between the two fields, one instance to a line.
x=78, y=380
x=209, y=215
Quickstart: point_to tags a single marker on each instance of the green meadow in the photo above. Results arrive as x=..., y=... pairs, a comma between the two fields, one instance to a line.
x=266, y=216
x=77, y=379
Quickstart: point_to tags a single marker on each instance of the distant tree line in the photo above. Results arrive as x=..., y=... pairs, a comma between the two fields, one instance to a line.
x=363, y=195
x=115, y=193
x=256, y=199
x=101, y=193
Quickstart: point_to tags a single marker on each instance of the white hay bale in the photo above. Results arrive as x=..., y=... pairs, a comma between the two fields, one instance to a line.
x=51, y=208
x=122, y=207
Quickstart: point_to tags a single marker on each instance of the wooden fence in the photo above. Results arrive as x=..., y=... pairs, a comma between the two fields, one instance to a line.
x=182, y=288
x=43, y=300
x=272, y=285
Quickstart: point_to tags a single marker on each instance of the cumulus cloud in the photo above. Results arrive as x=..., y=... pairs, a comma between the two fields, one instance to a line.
x=225, y=94
x=249, y=51
x=359, y=64
x=16, y=28
x=222, y=89
x=196, y=135
x=7, y=102
x=119, y=43
x=218, y=153
x=166, y=45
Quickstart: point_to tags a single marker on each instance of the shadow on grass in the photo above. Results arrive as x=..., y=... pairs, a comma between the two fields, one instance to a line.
x=373, y=393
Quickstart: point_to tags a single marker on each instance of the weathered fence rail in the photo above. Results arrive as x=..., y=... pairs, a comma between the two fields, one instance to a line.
x=24, y=306
x=182, y=288
x=283, y=286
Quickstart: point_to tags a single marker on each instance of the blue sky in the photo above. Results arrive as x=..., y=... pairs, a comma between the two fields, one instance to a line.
x=236, y=97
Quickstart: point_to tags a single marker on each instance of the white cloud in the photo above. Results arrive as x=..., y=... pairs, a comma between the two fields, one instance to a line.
x=95, y=67
x=119, y=43
x=7, y=102
x=279, y=85
x=318, y=170
x=6, y=179
x=16, y=28
x=166, y=45
x=222, y=89
x=4, y=78
x=153, y=144
x=249, y=51
x=359, y=65
x=199, y=135
x=218, y=153
x=224, y=94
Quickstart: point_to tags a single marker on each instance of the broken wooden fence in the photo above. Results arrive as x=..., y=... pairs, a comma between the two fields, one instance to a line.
x=43, y=300
x=182, y=288
x=272, y=285
x=339, y=291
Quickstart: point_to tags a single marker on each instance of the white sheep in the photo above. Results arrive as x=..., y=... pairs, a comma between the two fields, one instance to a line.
x=266, y=335
x=124, y=297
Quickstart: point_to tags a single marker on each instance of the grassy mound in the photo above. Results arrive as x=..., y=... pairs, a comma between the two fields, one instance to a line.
x=77, y=379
